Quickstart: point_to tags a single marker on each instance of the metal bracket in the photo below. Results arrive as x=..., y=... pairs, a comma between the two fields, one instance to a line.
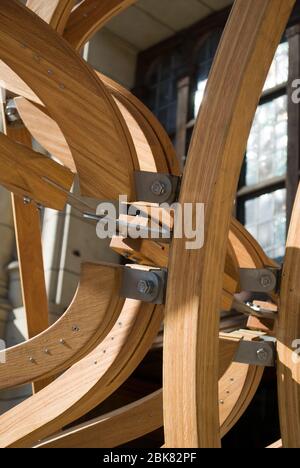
x=144, y=285
x=261, y=281
x=153, y=187
x=257, y=353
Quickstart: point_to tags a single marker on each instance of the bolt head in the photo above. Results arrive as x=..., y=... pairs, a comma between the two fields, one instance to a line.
x=158, y=188
x=145, y=287
x=265, y=281
x=26, y=200
x=262, y=355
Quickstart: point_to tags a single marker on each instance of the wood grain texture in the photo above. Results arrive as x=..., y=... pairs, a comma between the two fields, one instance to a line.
x=27, y=222
x=211, y=177
x=116, y=428
x=89, y=17
x=146, y=415
x=288, y=336
x=23, y=172
x=88, y=320
x=75, y=98
x=87, y=383
x=28, y=238
x=45, y=130
x=54, y=12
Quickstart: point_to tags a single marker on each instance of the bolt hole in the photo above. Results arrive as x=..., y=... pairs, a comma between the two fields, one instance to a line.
x=77, y=253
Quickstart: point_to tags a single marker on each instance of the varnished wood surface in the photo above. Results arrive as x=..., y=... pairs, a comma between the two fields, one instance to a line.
x=46, y=131
x=27, y=222
x=91, y=124
x=54, y=12
x=87, y=383
x=211, y=176
x=23, y=172
x=288, y=334
x=89, y=17
x=88, y=320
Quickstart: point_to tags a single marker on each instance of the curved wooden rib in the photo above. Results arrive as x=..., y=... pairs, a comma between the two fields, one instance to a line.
x=88, y=320
x=87, y=383
x=146, y=415
x=55, y=12
x=92, y=124
x=156, y=137
x=191, y=319
x=89, y=17
x=113, y=429
x=45, y=130
x=248, y=252
x=288, y=336
x=23, y=172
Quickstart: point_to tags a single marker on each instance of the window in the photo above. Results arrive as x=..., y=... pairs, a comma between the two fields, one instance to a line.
x=262, y=195
x=162, y=90
x=271, y=169
x=205, y=59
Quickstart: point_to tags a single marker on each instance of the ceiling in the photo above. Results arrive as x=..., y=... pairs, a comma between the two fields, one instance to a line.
x=149, y=22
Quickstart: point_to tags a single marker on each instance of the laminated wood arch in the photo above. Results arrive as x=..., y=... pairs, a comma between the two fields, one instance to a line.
x=54, y=12
x=205, y=393
x=89, y=17
x=288, y=337
x=217, y=149
x=73, y=335
x=87, y=383
x=92, y=126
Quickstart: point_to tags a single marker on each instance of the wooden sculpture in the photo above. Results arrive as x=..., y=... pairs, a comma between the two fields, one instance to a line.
x=100, y=132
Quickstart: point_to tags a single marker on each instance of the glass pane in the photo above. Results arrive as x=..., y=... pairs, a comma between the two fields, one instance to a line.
x=267, y=145
x=279, y=71
x=265, y=218
x=199, y=95
x=205, y=59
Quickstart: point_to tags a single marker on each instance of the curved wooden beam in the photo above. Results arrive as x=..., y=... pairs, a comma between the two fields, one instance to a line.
x=146, y=415
x=89, y=17
x=92, y=125
x=45, y=130
x=56, y=12
x=88, y=320
x=116, y=428
x=288, y=336
x=211, y=176
x=87, y=383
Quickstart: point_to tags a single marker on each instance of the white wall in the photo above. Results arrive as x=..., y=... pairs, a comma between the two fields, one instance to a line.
x=113, y=56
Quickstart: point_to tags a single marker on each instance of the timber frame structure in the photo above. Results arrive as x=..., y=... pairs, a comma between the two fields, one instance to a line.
x=100, y=132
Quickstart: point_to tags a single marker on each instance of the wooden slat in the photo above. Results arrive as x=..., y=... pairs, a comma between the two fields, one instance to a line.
x=146, y=415
x=211, y=177
x=23, y=172
x=288, y=336
x=89, y=17
x=29, y=246
x=75, y=98
x=54, y=12
x=46, y=131
x=93, y=312
x=113, y=429
x=87, y=383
